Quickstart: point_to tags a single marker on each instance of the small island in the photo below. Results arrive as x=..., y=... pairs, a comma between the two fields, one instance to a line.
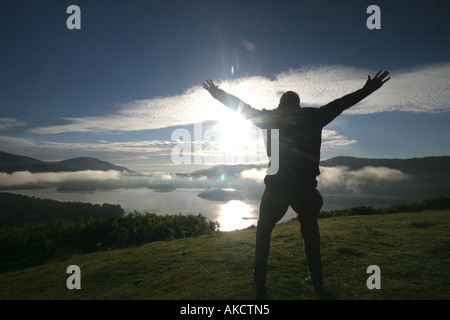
x=221, y=195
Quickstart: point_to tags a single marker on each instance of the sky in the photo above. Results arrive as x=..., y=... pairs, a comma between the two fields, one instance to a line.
x=127, y=86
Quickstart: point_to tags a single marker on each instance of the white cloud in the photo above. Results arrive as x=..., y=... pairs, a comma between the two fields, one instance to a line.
x=148, y=148
x=105, y=180
x=252, y=150
x=6, y=141
x=340, y=179
x=255, y=174
x=331, y=138
x=10, y=123
x=344, y=179
x=422, y=89
x=25, y=178
x=331, y=179
x=192, y=106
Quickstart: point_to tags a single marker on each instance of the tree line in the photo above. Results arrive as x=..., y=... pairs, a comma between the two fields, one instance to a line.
x=435, y=203
x=16, y=210
x=33, y=231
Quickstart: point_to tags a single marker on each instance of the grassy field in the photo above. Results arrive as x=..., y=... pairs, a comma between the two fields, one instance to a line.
x=411, y=249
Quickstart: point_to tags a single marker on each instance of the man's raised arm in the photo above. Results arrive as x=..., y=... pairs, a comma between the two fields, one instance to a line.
x=336, y=107
x=232, y=102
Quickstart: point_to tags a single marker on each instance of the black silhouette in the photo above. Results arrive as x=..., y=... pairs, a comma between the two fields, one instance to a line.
x=300, y=134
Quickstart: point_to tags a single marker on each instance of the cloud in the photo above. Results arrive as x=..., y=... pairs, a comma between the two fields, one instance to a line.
x=213, y=152
x=343, y=179
x=148, y=148
x=6, y=141
x=25, y=179
x=89, y=180
x=254, y=174
x=10, y=123
x=421, y=89
x=107, y=151
x=161, y=112
x=367, y=180
x=331, y=138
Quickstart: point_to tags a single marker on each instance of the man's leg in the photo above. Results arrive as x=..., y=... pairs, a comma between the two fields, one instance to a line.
x=273, y=207
x=308, y=205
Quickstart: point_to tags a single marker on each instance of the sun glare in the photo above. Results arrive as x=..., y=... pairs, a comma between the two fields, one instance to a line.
x=234, y=130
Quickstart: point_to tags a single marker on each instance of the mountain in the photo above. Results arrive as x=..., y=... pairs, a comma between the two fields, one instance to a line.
x=88, y=163
x=11, y=162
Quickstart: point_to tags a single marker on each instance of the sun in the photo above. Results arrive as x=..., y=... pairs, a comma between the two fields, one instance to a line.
x=231, y=139
x=234, y=130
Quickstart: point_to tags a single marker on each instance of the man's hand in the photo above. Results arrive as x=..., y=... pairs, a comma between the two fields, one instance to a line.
x=210, y=87
x=232, y=102
x=376, y=83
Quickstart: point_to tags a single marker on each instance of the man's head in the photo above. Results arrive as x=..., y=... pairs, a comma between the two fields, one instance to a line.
x=289, y=99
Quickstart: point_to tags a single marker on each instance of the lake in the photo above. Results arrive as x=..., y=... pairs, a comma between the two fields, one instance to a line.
x=231, y=215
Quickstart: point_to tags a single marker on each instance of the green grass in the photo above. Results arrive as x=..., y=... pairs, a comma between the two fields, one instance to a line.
x=411, y=249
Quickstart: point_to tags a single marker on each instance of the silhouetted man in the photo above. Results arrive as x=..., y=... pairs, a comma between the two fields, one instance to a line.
x=300, y=137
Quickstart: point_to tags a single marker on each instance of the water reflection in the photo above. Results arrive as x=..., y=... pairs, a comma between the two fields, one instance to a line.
x=231, y=215
x=236, y=214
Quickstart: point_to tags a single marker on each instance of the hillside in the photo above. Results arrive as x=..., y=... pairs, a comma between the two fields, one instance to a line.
x=11, y=162
x=19, y=209
x=411, y=249
x=89, y=163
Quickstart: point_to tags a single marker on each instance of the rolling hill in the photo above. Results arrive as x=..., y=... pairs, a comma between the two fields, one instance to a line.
x=88, y=163
x=11, y=162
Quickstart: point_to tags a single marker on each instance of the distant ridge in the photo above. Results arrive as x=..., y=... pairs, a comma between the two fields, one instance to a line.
x=425, y=177
x=439, y=166
x=89, y=163
x=10, y=163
